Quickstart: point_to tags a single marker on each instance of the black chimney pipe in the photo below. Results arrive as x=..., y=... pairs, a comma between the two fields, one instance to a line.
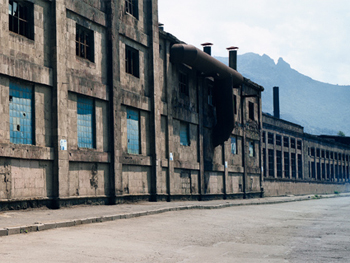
x=207, y=48
x=232, y=57
x=276, y=102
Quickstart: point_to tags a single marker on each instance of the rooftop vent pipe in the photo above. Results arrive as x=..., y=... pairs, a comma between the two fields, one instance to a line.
x=225, y=79
x=207, y=48
x=276, y=102
x=232, y=57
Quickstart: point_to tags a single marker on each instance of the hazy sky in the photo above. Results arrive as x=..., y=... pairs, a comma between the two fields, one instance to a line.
x=313, y=36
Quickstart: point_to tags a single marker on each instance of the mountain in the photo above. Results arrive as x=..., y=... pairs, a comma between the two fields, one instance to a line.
x=319, y=107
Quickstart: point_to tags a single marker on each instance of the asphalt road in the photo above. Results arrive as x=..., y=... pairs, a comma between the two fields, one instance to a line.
x=307, y=231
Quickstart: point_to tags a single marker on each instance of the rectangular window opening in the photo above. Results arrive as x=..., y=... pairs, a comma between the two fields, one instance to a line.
x=84, y=43
x=133, y=131
x=131, y=7
x=286, y=164
x=86, y=122
x=285, y=141
x=21, y=111
x=278, y=140
x=233, y=144
x=299, y=145
x=279, y=163
x=271, y=162
x=292, y=143
x=251, y=149
x=270, y=138
x=132, y=65
x=21, y=18
x=184, y=134
x=300, y=167
x=251, y=111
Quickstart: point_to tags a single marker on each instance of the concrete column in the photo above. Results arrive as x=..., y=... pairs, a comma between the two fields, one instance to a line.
x=156, y=97
x=200, y=92
x=274, y=157
x=115, y=103
x=168, y=83
x=60, y=101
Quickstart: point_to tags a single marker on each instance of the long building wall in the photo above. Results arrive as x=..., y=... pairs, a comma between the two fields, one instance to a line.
x=94, y=111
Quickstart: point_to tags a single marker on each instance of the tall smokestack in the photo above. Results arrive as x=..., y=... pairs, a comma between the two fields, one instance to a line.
x=232, y=57
x=276, y=102
x=207, y=48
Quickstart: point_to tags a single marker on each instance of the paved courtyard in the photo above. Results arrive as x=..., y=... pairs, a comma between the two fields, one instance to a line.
x=306, y=231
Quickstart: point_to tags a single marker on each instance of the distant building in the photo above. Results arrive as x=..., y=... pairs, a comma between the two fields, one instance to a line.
x=295, y=162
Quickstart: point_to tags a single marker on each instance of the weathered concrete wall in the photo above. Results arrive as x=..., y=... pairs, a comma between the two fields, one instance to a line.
x=25, y=179
x=88, y=179
x=234, y=183
x=162, y=182
x=136, y=179
x=184, y=182
x=214, y=182
x=278, y=188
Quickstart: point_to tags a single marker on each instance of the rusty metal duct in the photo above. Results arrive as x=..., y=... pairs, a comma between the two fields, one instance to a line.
x=225, y=79
x=190, y=55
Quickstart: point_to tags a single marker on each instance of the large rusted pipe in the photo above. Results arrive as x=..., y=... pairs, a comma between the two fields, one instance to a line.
x=192, y=56
x=225, y=79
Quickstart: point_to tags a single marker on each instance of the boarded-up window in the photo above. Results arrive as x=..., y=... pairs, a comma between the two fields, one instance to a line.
x=133, y=131
x=85, y=122
x=184, y=134
x=21, y=114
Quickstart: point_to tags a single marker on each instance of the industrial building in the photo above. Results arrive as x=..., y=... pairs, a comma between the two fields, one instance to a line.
x=100, y=105
x=296, y=163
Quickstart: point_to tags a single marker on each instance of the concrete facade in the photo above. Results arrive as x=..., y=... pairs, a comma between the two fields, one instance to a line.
x=88, y=65
x=94, y=111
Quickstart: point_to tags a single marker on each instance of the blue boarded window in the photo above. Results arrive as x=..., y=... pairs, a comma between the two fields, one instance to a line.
x=184, y=134
x=21, y=114
x=133, y=131
x=85, y=122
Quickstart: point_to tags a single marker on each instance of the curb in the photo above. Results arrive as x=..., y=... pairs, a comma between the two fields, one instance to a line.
x=69, y=223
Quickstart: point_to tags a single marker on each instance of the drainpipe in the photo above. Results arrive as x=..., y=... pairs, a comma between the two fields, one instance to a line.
x=260, y=155
x=243, y=146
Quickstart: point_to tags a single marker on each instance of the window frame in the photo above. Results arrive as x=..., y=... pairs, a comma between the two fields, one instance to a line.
x=184, y=84
x=84, y=48
x=84, y=104
x=278, y=140
x=131, y=8
x=133, y=135
x=132, y=61
x=27, y=20
x=270, y=138
x=21, y=113
x=184, y=129
x=251, y=108
x=279, y=163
